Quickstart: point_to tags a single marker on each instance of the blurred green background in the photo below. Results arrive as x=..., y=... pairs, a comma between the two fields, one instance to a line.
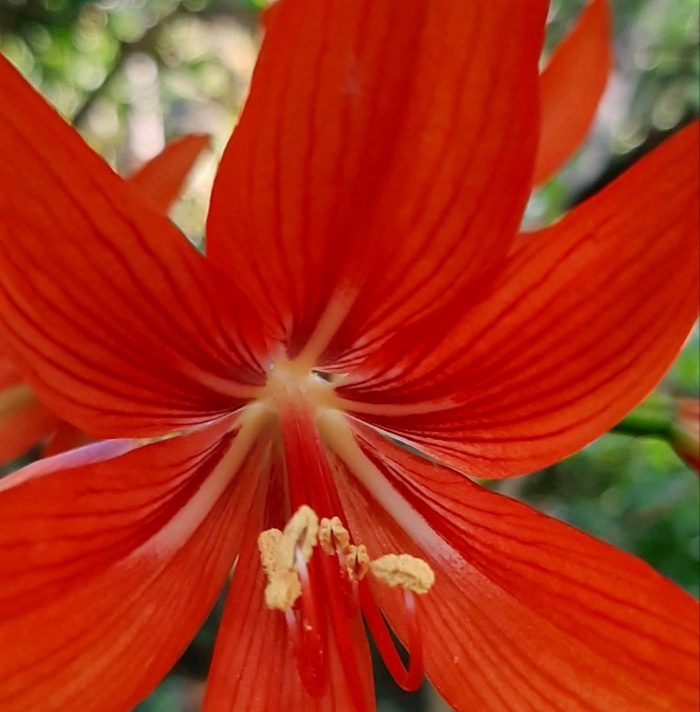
x=131, y=74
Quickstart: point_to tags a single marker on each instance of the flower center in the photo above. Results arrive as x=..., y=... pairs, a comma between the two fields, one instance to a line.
x=289, y=381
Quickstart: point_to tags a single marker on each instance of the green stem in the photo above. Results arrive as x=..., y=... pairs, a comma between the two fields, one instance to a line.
x=653, y=418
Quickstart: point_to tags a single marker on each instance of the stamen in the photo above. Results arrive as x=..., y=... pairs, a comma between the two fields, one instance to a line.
x=301, y=533
x=334, y=538
x=414, y=576
x=332, y=534
x=409, y=680
x=283, y=584
x=278, y=555
x=286, y=558
x=404, y=570
x=358, y=561
x=309, y=650
x=353, y=561
x=343, y=634
x=415, y=643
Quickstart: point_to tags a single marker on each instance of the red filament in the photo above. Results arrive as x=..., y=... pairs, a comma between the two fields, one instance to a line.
x=407, y=679
x=310, y=643
x=306, y=634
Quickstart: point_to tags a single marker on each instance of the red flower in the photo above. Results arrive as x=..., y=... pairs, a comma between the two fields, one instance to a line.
x=359, y=283
x=24, y=420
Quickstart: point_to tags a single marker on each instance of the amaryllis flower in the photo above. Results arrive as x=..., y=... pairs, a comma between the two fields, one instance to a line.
x=24, y=420
x=300, y=408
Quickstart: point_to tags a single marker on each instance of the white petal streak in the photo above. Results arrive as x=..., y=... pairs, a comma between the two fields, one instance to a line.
x=166, y=541
x=338, y=436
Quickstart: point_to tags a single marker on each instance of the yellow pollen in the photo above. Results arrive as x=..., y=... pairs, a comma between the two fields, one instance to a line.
x=358, y=562
x=404, y=570
x=279, y=551
x=277, y=555
x=282, y=591
x=333, y=536
x=283, y=584
x=268, y=544
x=300, y=533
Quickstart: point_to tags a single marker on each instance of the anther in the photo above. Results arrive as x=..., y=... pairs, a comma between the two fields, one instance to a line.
x=334, y=538
x=333, y=535
x=302, y=532
x=283, y=584
x=279, y=553
x=286, y=558
x=404, y=570
x=358, y=561
x=353, y=561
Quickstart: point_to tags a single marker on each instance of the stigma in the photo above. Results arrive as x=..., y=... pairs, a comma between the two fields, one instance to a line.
x=312, y=566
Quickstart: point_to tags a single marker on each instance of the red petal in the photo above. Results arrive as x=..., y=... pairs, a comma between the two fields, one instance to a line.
x=65, y=437
x=583, y=323
x=24, y=421
x=8, y=372
x=160, y=180
x=111, y=314
x=253, y=667
x=268, y=14
x=526, y=612
x=377, y=168
x=110, y=565
x=571, y=87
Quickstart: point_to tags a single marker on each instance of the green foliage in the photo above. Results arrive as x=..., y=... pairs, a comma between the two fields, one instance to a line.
x=635, y=494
